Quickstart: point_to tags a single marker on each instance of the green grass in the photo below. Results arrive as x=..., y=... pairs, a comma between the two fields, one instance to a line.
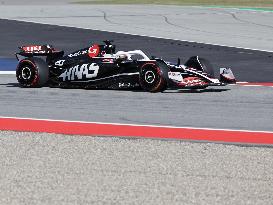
x=229, y=3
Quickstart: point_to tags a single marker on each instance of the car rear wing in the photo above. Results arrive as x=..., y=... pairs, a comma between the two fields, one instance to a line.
x=38, y=50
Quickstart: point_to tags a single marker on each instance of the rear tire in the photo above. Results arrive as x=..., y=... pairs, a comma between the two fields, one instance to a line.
x=32, y=72
x=153, y=77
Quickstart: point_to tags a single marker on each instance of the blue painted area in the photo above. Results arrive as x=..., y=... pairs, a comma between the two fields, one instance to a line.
x=8, y=64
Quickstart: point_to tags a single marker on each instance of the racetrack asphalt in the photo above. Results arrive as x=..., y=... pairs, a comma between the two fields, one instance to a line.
x=221, y=26
x=231, y=107
x=247, y=65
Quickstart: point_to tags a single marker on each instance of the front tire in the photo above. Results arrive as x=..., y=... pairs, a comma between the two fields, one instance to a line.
x=32, y=72
x=154, y=77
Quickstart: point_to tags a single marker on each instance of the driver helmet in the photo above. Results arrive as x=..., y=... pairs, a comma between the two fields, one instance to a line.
x=122, y=57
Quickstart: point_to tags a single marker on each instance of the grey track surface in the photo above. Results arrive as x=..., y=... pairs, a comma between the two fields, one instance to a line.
x=55, y=169
x=232, y=107
x=233, y=27
x=251, y=66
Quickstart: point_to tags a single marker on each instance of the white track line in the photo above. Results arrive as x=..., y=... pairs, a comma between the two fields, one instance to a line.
x=7, y=72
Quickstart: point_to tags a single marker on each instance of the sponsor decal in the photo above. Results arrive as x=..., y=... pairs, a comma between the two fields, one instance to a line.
x=128, y=85
x=108, y=60
x=80, y=72
x=59, y=63
x=32, y=48
x=78, y=53
x=94, y=51
x=176, y=76
x=194, y=81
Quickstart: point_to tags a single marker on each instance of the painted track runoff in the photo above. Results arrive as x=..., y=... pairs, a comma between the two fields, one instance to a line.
x=142, y=131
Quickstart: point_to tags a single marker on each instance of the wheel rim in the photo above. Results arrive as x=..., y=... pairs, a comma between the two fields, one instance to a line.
x=26, y=73
x=149, y=77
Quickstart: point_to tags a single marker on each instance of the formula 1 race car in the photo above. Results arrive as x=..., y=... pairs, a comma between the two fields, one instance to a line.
x=99, y=66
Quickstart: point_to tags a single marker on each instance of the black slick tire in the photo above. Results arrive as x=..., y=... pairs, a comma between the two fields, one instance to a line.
x=153, y=77
x=32, y=72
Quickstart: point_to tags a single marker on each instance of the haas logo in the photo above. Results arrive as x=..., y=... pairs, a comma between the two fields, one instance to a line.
x=94, y=51
x=85, y=71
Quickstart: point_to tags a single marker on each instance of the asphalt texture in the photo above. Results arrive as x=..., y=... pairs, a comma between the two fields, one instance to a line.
x=56, y=169
x=231, y=107
x=223, y=26
x=247, y=65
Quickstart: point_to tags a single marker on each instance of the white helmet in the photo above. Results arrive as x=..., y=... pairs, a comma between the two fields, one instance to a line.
x=122, y=57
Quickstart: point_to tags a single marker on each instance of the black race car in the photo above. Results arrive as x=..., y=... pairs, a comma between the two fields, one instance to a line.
x=101, y=67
